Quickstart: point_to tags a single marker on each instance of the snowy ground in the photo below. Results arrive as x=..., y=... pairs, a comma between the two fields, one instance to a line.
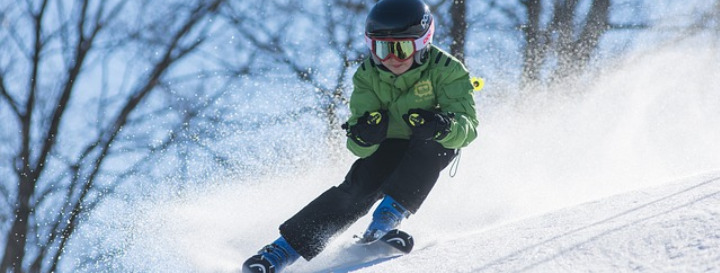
x=625, y=177
x=674, y=228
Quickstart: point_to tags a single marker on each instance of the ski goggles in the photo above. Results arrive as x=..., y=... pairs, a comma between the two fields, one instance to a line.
x=400, y=49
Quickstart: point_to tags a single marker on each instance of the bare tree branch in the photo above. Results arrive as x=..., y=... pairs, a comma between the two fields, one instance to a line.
x=44, y=235
x=6, y=95
x=16, y=242
x=173, y=52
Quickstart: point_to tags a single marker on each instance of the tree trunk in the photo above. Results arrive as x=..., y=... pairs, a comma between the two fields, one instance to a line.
x=38, y=139
x=26, y=174
x=535, y=45
x=574, y=53
x=459, y=29
x=560, y=38
x=15, y=246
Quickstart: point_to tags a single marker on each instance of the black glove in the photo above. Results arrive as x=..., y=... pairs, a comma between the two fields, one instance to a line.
x=428, y=125
x=369, y=130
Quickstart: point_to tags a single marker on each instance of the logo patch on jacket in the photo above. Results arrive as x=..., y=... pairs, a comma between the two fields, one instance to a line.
x=423, y=89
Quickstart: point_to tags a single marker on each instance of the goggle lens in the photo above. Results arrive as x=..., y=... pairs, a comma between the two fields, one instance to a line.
x=403, y=50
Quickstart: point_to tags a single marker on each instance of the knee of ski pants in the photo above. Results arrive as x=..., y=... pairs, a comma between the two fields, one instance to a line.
x=364, y=180
x=353, y=183
x=309, y=230
x=411, y=183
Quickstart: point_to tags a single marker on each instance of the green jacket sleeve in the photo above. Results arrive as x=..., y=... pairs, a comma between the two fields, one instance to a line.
x=362, y=100
x=456, y=96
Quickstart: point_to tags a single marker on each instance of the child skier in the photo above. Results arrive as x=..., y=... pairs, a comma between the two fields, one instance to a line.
x=411, y=110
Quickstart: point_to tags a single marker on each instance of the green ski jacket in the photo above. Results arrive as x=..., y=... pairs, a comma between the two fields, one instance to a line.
x=441, y=83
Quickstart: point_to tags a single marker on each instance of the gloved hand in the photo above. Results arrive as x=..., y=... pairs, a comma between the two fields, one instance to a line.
x=428, y=125
x=370, y=129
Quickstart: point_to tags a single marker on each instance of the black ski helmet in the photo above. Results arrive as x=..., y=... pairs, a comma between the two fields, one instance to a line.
x=400, y=19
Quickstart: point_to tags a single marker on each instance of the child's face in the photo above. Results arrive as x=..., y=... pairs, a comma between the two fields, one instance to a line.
x=398, y=67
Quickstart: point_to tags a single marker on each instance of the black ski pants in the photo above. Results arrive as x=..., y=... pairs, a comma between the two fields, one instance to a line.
x=404, y=169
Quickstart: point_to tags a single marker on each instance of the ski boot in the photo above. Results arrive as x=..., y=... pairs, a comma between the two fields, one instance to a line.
x=273, y=258
x=387, y=217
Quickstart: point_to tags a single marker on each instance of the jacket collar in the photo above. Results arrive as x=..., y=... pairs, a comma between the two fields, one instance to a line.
x=404, y=81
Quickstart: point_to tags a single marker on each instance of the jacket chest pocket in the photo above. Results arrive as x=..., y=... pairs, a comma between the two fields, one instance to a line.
x=422, y=94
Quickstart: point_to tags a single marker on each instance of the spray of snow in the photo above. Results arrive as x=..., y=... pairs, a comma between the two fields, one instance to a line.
x=647, y=120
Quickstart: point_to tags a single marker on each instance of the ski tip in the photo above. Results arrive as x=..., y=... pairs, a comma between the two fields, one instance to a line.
x=399, y=240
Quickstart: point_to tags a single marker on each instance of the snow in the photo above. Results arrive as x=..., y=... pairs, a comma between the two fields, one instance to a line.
x=671, y=228
x=674, y=227
x=625, y=178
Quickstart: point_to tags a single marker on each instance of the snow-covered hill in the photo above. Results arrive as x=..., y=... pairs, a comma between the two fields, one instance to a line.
x=625, y=177
x=673, y=228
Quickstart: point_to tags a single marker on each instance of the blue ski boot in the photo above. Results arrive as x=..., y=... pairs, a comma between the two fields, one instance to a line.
x=273, y=258
x=387, y=216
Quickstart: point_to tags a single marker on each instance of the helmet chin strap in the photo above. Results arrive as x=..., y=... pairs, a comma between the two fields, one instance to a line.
x=421, y=55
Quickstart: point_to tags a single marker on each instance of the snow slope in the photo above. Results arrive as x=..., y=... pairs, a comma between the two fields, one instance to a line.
x=674, y=228
x=622, y=178
x=670, y=228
